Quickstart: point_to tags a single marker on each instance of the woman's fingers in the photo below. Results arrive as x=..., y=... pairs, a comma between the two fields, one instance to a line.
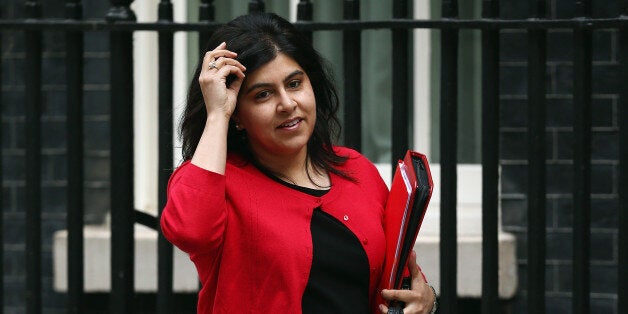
x=419, y=298
x=394, y=294
x=415, y=270
x=220, y=51
x=217, y=66
x=383, y=309
x=235, y=84
x=223, y=61
x=220, y=58
x=212, y=57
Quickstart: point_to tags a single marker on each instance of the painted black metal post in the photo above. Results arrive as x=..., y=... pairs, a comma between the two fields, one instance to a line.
x=352, y=56
x=206, y=13
x=32, y=97
x=1, y=194
x=448, y=162
x=74, y=133
x=305, y=13
x=165, y=302
x=582, y=161
x=490, y=161
x=122, y=207
x=536, y=160
x=400, y=84
x=622, y=260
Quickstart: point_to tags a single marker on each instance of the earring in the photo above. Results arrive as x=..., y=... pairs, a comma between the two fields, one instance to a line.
x=238, y=127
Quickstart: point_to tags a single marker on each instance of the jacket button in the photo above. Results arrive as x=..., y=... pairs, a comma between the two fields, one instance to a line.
x=345, y=218
x=365, y=241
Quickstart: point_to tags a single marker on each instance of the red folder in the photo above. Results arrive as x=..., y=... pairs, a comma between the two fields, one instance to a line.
x=410, y=192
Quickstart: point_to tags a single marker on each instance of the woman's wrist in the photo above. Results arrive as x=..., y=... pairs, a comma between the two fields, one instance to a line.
x=435, y=303
x=211, y=150
x=217, y=116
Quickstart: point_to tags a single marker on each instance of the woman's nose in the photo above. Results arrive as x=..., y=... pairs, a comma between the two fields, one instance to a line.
x=286, y=103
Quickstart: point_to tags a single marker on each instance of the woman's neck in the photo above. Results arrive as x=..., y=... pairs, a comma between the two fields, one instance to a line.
x=297, y=170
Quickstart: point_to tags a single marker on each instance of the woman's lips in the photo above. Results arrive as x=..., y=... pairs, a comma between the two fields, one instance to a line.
x=291, y=124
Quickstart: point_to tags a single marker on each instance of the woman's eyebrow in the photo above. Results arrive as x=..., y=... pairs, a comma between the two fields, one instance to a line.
x=263, y=84
x=293, y=74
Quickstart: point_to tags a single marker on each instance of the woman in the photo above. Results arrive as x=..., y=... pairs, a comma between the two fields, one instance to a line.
x=274, y=216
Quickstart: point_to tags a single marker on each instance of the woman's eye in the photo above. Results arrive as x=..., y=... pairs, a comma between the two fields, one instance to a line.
x=294, y=83
x=262, y=94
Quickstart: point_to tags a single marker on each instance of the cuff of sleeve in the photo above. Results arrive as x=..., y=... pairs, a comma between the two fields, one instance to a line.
x=196, y=177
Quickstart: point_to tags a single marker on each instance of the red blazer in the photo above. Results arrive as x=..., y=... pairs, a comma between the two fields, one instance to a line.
x=249, y=236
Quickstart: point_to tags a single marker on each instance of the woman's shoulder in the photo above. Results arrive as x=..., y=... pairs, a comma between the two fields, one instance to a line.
x=236, y=159
x=363, y=171
x=347, y=152
x=355, y=160
x=239, y=168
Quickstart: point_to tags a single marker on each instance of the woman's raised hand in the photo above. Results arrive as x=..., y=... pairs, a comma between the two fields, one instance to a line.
x=220, y=101
x=218, y=64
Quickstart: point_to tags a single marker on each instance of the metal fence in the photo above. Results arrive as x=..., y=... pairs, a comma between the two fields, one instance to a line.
x=120, y=24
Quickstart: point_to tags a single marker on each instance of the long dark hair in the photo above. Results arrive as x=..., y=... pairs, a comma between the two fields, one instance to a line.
x=257, y=39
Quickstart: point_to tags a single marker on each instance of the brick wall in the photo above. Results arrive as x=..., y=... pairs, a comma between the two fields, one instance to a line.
x=96, y=108
x=559, y=156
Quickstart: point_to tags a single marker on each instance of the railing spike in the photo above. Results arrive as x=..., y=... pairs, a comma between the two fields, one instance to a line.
x=583, y=8
x=206, y=11
x=164, y=12
x=120, y=10
x=257, y=6
x=73, y=9
x=304, y=10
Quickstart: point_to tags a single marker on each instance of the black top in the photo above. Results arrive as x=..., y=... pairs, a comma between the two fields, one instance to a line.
x=339, y=277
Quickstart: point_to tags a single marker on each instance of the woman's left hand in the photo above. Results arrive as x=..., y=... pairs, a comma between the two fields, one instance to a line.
x=419, y=299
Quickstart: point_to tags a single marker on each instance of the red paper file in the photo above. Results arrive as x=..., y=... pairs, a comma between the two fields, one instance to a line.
x=410, y=192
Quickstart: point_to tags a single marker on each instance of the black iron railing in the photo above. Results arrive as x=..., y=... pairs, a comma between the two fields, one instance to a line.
x=537, y=63
x=120, y=24
x=75, y=176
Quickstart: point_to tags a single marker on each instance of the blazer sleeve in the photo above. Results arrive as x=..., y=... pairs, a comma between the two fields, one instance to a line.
x=194, y=218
